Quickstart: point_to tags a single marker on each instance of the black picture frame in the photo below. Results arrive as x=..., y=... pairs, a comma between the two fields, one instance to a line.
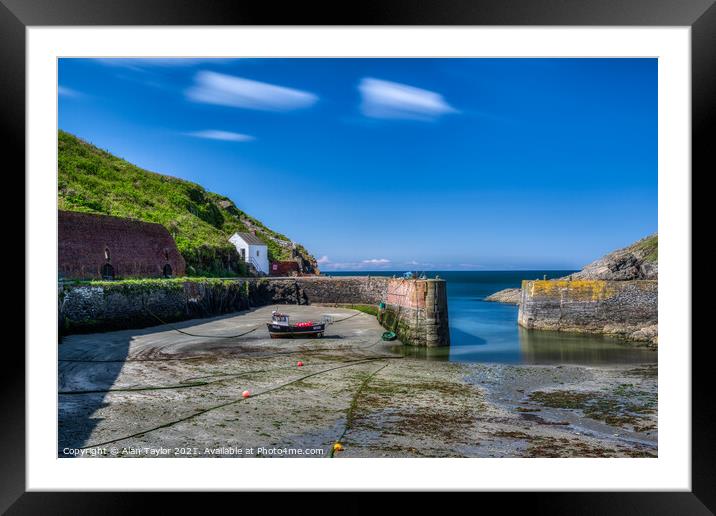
x=700, y=15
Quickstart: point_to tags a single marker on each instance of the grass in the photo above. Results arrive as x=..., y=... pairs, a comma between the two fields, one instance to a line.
x=151, y=284
x=156, y=282
x=650, y=247
x=368, y=309
x=94, y=181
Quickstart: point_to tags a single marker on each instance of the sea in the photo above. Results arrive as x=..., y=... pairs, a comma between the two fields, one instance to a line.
x=487, y=332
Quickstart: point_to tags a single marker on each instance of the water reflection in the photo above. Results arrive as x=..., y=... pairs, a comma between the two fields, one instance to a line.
x=442, y=353
x=481, y=331
x=534, y=347
x=547, y=347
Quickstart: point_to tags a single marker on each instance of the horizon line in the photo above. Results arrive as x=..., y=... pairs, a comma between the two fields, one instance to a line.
x=451, y=270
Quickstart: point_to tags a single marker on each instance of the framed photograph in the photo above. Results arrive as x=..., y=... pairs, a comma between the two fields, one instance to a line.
x=421, y=244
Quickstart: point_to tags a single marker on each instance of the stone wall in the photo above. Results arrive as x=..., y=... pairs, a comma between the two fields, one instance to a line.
x=416, y=310
x=626, y=309
x=108, y=306
x=369, y=290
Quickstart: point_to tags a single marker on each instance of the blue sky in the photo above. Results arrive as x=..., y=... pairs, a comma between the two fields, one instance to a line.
x=429, y=164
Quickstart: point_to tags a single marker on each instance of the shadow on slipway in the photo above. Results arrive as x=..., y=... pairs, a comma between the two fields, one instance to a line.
x=83, y=367
x=87, y=371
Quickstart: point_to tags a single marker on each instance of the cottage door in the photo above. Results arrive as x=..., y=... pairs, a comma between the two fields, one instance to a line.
x=107, y=272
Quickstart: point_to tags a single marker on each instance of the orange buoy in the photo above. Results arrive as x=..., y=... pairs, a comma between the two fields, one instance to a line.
x=337, y=447
x=299, y=364
x=246, y=394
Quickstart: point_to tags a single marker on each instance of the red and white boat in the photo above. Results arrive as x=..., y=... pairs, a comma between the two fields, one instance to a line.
x=280, y=326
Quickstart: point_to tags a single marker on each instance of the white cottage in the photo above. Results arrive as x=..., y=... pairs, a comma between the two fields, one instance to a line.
x=252, y=250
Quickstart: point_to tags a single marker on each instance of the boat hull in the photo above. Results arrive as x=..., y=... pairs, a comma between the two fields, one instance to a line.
x=277, y=331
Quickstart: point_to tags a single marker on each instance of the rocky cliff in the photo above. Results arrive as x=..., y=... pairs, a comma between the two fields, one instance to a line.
x=509, y=296
x=615, y=295
x=639, y=261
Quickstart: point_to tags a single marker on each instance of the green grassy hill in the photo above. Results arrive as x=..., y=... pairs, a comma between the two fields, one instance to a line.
x=92, y=180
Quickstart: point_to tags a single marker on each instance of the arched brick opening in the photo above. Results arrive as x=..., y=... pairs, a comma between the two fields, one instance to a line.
x=107, y=272
x=134, y=249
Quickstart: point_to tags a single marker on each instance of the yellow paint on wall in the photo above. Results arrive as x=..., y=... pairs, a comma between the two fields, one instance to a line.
x=577, y=290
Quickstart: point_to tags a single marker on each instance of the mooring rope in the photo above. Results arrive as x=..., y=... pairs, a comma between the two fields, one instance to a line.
x=349, y=317
x=122, y=360
x=199, y=384
x=186, y=383
x=227, y=336
x=351, y=408
x=203, y=336
x=232, y=402
x=80, y=360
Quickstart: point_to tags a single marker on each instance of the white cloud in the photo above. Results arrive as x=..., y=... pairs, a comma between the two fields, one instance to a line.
x=372, y=264
x=227, y=90
x=213, y=134
x=385, y=99
x=67, y=92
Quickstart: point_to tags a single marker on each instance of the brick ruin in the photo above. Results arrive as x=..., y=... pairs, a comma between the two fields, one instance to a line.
x=94, y=246
x=285, y=268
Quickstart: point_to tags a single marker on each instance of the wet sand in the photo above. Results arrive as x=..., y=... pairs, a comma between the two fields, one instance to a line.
x=157, y=392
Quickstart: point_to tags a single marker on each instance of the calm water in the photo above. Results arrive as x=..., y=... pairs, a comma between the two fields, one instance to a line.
x=481, y=331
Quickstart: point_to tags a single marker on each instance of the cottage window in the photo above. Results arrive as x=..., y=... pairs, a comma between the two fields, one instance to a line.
x=106, y=254
x=257, y=252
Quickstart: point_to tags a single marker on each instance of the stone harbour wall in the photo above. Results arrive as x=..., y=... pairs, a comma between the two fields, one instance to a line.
x=105, y=306
x=627, y=309
x=416, y=310
x=344, y=289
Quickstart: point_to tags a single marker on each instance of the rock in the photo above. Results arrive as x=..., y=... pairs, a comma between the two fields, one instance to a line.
x=648, y=334
x=637, y=262
x=508, y=295
x=615, y=295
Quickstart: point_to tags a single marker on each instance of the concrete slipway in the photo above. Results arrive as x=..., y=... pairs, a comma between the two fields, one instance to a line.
x=158, y=392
